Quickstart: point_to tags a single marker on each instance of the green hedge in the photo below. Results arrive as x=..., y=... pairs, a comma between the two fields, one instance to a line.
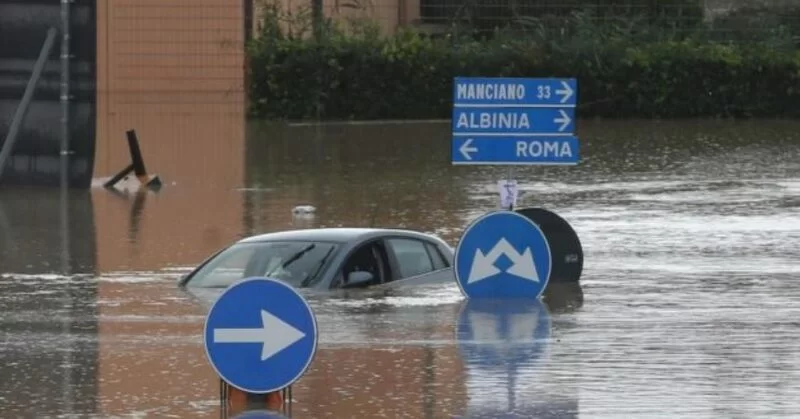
x=621, y=73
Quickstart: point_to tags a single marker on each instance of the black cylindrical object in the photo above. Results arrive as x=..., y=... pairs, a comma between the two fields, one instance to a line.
x=566, y=251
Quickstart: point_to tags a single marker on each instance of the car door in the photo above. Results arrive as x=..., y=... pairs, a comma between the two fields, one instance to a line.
x=416, y=261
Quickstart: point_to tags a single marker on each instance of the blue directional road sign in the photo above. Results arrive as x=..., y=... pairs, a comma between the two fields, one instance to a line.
x=492, y=115
x=512, y=91
x=485, y=120
x=498, y=333
x=502, y=255
x=260, y=335
x=516, y=150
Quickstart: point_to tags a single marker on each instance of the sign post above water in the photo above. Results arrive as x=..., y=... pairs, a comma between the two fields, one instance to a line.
x=514, y=121
x=510, y=121
x=260, y=335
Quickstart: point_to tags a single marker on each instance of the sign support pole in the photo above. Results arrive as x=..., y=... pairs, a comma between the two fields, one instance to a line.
x=224, y=399
x=287, y=401
x=510, y=178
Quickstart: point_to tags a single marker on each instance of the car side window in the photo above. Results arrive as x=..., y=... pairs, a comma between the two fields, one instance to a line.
x=439, y=262
x=228, y=270
x=412, y=257
x=367, y=258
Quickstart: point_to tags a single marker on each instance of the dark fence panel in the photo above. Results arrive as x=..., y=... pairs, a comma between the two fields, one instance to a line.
x=489, y=13
x=36, y=155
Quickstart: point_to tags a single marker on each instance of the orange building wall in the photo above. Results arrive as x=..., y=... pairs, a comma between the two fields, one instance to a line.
x=173, y=70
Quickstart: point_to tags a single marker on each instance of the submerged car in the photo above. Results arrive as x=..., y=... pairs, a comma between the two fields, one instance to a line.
x=329, y=258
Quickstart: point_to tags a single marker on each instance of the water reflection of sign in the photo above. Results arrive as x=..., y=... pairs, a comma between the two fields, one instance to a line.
x=260, y=414
x=497, y=333
x=503, y=344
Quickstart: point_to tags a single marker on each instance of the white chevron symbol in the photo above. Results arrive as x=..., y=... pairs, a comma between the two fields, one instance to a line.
x=483, y=264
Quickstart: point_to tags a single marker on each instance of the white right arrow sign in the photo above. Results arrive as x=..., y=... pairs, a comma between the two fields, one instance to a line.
x=566, y=92
x=564, y=120
x=274, y=335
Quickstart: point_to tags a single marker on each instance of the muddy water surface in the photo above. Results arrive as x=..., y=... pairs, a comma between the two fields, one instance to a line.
x=688, y=307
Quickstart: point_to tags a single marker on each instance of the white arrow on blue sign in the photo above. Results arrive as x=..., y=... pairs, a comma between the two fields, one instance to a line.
x=502, y=255
x=260, y=335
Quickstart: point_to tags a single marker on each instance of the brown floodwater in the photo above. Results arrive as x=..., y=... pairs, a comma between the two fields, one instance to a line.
x=688, y=307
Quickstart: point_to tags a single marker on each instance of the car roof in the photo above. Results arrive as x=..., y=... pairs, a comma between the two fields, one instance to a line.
x=333, y=234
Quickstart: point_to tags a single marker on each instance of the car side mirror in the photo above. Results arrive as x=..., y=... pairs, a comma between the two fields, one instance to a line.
x=181, y=281
x=358, y=279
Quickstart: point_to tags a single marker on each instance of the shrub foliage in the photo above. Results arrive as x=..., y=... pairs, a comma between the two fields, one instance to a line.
x=625, y=67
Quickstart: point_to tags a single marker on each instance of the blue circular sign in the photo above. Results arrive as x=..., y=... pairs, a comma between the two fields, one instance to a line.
x=507, y=334
x=503, y=254
x=260, y=335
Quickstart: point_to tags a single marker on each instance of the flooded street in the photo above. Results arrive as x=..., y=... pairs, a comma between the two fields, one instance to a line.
x=689, y=303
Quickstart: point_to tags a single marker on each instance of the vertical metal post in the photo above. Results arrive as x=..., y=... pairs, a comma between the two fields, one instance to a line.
x=510, y=178
x=65, y=76
x=317, y=18
x=65, y=58
x=27, y=97
x=223, y=399
x=5, y=238
x=247, y=6
x=68, y=395
x=67, y=300
x=287, y=400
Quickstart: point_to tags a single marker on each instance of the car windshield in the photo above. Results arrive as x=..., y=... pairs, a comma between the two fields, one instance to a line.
x=296, y=262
